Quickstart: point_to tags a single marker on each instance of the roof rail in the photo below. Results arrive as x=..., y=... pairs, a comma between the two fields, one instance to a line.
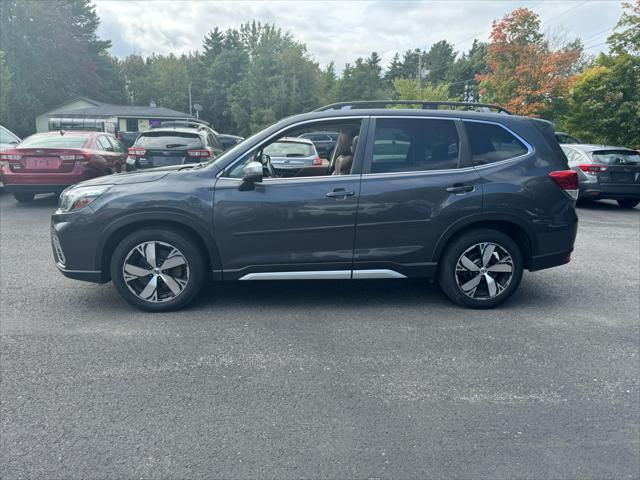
x=425, y=105
x=180, y=123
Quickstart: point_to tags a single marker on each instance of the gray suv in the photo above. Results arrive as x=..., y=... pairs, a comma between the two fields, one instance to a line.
x=461, y=195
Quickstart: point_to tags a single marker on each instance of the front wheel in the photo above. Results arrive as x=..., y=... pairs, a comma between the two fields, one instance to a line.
x=23, y=197
x=481, y=268
x=157, y=270
x=628, y=202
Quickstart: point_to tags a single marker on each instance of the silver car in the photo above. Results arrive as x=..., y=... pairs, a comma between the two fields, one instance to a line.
x=290, y=155
x=606, y=172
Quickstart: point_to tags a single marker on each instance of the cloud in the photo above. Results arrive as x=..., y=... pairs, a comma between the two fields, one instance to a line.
x=340, y=31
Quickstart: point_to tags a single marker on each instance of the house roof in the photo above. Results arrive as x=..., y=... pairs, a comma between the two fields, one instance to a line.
x=86, y=99
x=107, y=110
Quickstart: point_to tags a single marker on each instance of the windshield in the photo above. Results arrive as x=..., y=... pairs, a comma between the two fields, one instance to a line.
x=290, y=149
x=169, y=140
x=54, y=141
x=616, y=157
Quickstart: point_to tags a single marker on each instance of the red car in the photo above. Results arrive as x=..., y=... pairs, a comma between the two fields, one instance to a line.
x=50, y=162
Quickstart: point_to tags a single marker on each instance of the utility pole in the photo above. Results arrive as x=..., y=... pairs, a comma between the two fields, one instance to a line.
x=190, y=106
x=420, y=73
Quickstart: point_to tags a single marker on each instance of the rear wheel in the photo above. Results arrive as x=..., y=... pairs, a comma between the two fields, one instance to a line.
x=481, y=268
x=23, y=197
x=157, y=270
x=628, y=202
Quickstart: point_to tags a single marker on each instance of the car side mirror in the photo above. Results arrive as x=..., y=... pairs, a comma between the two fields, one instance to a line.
x=252, y=172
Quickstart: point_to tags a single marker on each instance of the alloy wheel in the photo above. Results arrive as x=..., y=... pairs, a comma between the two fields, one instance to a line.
x=155, y=271
x=484, y=271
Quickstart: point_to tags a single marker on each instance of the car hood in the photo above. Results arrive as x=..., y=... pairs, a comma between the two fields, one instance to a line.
x=126, y=178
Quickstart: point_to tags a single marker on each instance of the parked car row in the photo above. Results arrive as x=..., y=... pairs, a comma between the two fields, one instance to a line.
x=50, y=162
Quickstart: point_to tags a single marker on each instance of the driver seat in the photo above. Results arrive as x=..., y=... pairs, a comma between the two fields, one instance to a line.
x=345, y=162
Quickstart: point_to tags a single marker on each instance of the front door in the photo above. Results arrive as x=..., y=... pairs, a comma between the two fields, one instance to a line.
x=289, y=226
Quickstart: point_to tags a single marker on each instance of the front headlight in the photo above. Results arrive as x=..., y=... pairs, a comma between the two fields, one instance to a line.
x=79, y=197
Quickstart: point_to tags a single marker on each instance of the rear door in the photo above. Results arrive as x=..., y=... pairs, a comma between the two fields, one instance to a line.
x=417, y=181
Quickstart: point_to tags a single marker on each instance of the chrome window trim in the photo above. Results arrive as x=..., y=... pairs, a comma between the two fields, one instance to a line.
x=530, y=148
x=293, y=125
x=289, y=179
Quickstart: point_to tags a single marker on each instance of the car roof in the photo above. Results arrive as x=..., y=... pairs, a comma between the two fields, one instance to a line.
x=591, y=147
x=85, y=133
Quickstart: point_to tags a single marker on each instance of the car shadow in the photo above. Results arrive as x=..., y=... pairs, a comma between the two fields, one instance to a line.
x=44, y=200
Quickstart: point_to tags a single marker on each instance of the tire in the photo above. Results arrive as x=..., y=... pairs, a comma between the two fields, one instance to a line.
x=184, y=280
x=628, y=202
x=506, y=254
x=24, y=197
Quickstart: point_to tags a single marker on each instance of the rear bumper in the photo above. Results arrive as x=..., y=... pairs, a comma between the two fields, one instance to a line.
x=550, y=260
x=44, y=182
x=18, y=188
x=596, y=191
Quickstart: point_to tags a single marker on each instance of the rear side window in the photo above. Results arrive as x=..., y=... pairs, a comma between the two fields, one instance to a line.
x=613, y=157
x=104, y=144
x=410, y=145
x=171, y=140
x=54, y=141
x=492, y=143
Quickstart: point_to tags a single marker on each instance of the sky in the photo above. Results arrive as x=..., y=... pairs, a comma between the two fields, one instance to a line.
x=344, y=31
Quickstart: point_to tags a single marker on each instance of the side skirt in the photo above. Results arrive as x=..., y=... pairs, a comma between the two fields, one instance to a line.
x=324, y=275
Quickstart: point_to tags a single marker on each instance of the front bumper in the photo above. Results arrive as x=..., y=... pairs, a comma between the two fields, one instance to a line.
x=70, y=253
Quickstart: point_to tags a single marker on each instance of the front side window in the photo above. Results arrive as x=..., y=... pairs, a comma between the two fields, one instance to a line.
x=492, y=143
x=292, y=153
x=409, y=145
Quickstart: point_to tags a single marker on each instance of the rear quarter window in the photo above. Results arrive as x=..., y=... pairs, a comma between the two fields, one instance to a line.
x=491, y=143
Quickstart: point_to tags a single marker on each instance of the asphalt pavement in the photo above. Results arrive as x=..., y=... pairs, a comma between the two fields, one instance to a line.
x=336, y=379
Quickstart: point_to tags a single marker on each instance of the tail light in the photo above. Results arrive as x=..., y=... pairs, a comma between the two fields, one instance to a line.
x=317, y=161
x=200, y=152
x=592, y=168
x=567, y=180
x=10, y=157
x=136, y=152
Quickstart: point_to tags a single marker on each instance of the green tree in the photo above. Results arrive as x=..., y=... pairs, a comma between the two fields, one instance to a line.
x=362, y=81
x=462, y=74
x=5, y=88
x=53, y=53
x=408, y=89
x=626, y=36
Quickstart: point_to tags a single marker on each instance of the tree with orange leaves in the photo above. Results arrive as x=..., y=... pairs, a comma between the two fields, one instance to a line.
x=525, y=74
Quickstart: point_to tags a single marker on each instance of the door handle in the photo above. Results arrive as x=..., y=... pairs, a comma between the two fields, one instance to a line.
x=459, y=189
x=340, y=193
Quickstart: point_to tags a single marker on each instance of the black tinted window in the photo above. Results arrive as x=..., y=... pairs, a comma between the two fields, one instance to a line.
x=406, y=145
x=169, y=140
x=491, y=143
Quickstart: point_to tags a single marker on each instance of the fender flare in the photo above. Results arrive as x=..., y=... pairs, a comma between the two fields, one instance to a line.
x=485, y=217
x=192, y=223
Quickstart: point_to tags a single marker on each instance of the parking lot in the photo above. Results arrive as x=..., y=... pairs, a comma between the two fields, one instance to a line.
x=336, y=379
